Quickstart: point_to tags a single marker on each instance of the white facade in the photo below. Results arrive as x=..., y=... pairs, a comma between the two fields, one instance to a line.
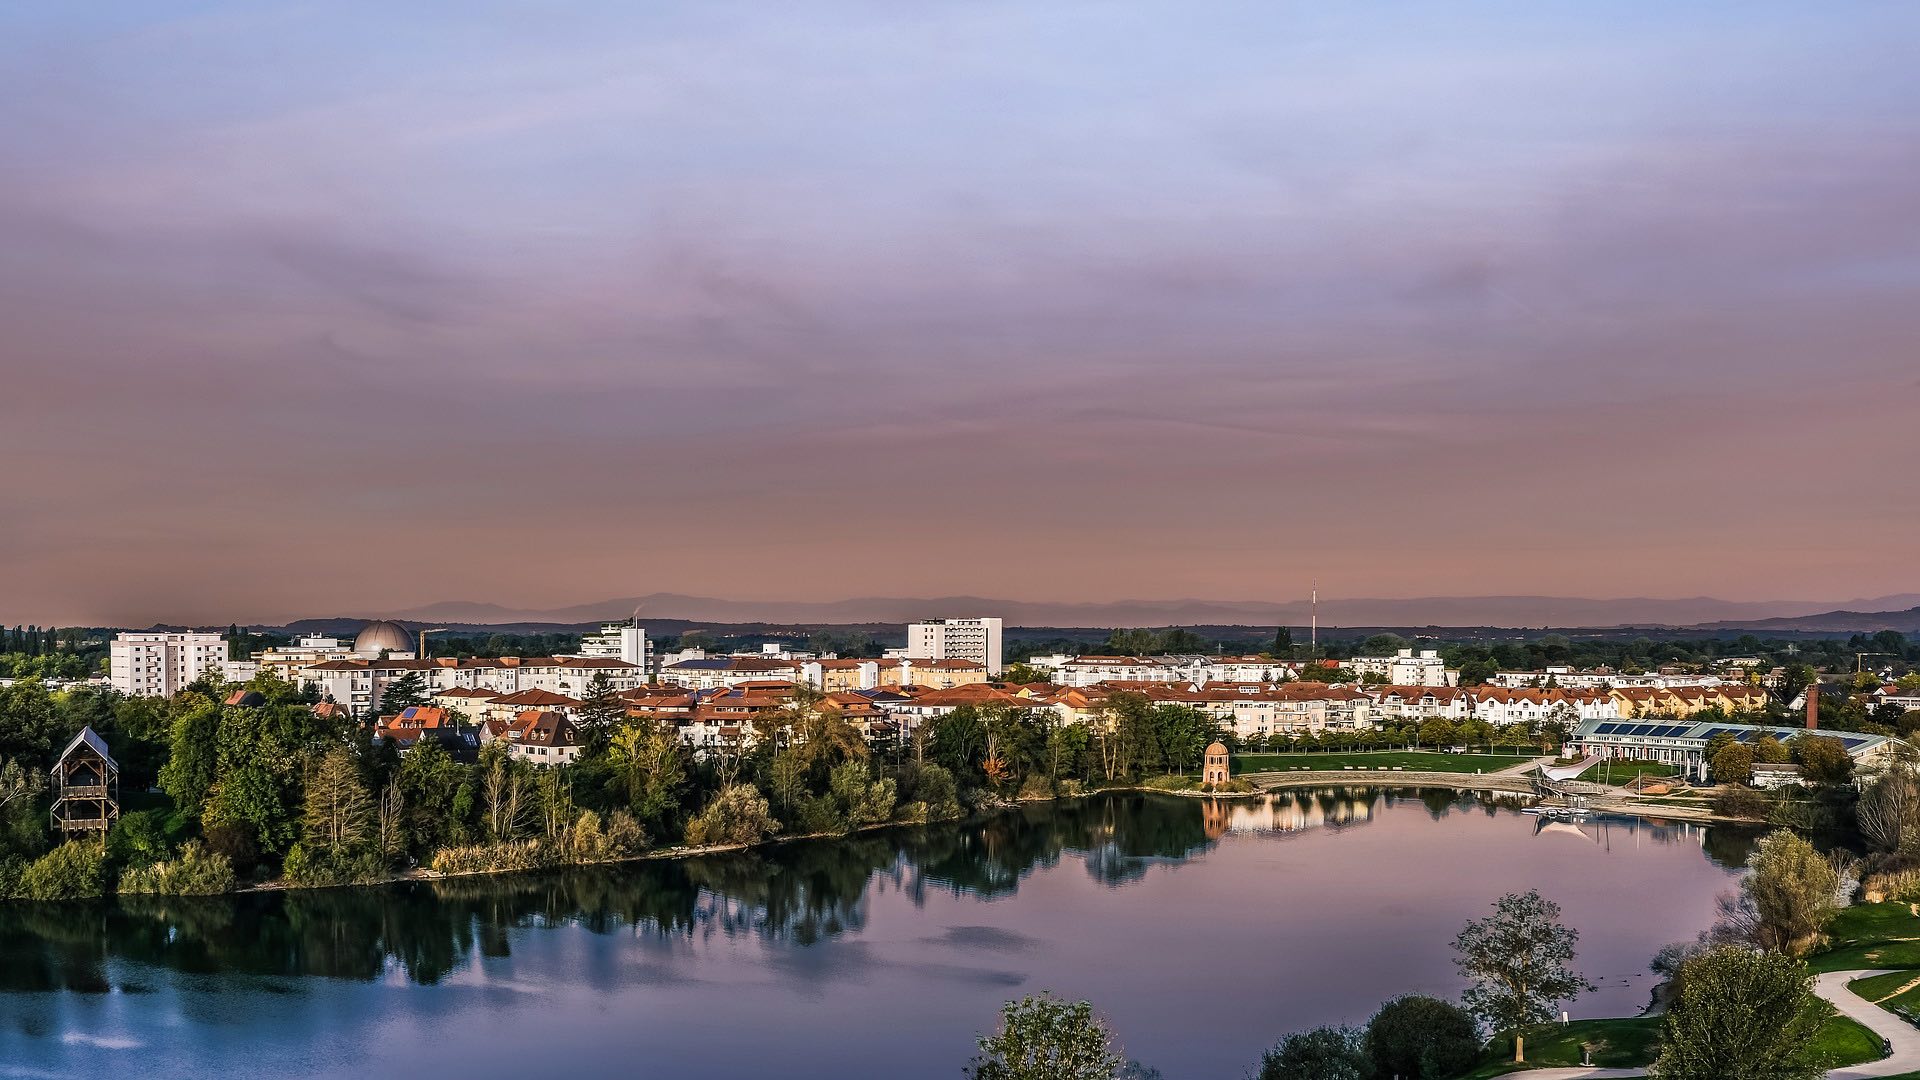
x=1405, y=668
x=1594, y=680
x=957, y=639
x=161, y=664
x=1088, y=670
x=618, y=641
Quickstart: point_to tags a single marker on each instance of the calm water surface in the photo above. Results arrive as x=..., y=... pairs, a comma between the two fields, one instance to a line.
x=1203, y=931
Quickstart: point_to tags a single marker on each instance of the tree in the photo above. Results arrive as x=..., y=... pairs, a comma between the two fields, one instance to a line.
x=1421, y=1038
x=503, y=790
x=75, y=870
x=1733, y=764
x=1888, y=811
x=649, y=764
x=1327, y=1053
x=1519, y=960
x=1283, y=642
x=18, y=787
x=1740, y=1012
x=339, y=811
x=1823, y=759
x=601, y=705
x=737, y=815
x=1044, y=1038
x=405, y=692
x=1768, y=750
x=1792, y=888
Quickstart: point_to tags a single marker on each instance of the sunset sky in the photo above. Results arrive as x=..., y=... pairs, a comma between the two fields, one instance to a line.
x=328, y=308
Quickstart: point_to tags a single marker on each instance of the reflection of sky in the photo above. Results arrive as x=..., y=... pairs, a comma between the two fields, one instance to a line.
x=1199, y=963
x=764, y=262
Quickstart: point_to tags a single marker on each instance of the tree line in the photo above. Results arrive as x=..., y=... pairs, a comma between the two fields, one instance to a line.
x=218, y=794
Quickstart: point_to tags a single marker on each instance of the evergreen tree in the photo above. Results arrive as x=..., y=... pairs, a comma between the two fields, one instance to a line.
x=601, y=706
x=404, y=692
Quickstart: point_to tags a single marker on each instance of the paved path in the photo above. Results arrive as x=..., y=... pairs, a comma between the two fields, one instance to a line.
x=1904, y=1036
x=1525, y=767
x=1832, y=986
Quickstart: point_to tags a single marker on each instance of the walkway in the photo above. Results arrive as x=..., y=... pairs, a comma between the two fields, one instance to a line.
x=1833, y=987
x=1904, y=1036
x=1525, y=767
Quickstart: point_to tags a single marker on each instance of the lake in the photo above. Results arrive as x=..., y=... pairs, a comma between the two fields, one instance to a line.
x=1202, y=930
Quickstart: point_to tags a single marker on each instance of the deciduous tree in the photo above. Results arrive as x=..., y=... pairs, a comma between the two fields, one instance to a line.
x=1044, y=1038
x=1741, y=1012
x=1519, y=961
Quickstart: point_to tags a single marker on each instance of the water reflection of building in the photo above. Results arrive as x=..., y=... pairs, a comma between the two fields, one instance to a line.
x=1297, y=811
x=1608, y=830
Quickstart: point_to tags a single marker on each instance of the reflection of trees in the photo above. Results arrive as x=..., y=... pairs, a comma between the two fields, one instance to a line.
x=802, y=893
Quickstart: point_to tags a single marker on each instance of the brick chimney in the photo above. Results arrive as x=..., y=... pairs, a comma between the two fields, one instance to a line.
x=1813, y=705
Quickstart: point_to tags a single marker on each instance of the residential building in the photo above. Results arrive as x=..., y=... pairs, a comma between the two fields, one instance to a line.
x=619, y=641
x=956, y=639
x=833, y=676
x=160, y=663
x=720, y=671
x=1405, y=668
x=1503, y=705
x=1088, y=670
x=1683, y=701
x=1604, y=678
x=1904, y=700
x=414, y=723
x=539, y=736
x=1420, y=702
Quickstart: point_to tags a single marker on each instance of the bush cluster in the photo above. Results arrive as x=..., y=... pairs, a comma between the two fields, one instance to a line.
x=195, y=871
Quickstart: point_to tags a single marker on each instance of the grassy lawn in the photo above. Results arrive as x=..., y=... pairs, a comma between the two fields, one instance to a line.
x=1843, y=1041
x=1883, y=990
x=1410, y=760
x=1885, y=935
x=1620, y=1043
x=1629, y=1042
x=1624, y=772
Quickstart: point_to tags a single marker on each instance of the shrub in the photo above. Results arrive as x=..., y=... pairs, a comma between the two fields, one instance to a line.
x=1070, y=789
x=1328, y=1053
x=935, y=790
x=625, y=837
x=195, y=871
x=1422, y=1038
x=737, y=815
x=620, y=838
x=10, y=870
x=863, y=799
x=318, y=867
x=492, y=858
x=818, y=814
x=75, y=870
x=1742, y=802
x=1035, y=788
x=139, y=838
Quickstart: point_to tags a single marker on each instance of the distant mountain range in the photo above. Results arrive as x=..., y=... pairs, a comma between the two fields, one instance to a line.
x=1878, y=613
x=1834, y=622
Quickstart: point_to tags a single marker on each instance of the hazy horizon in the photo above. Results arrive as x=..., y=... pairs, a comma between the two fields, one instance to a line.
x=346, y=307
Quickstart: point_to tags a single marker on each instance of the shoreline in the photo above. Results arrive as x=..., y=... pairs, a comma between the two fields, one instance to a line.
x=1504, y=784
x=1265, y=783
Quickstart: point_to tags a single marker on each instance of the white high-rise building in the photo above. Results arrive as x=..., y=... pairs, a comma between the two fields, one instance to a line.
x=617, y=641
x=160, y=663
x=956, y=639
